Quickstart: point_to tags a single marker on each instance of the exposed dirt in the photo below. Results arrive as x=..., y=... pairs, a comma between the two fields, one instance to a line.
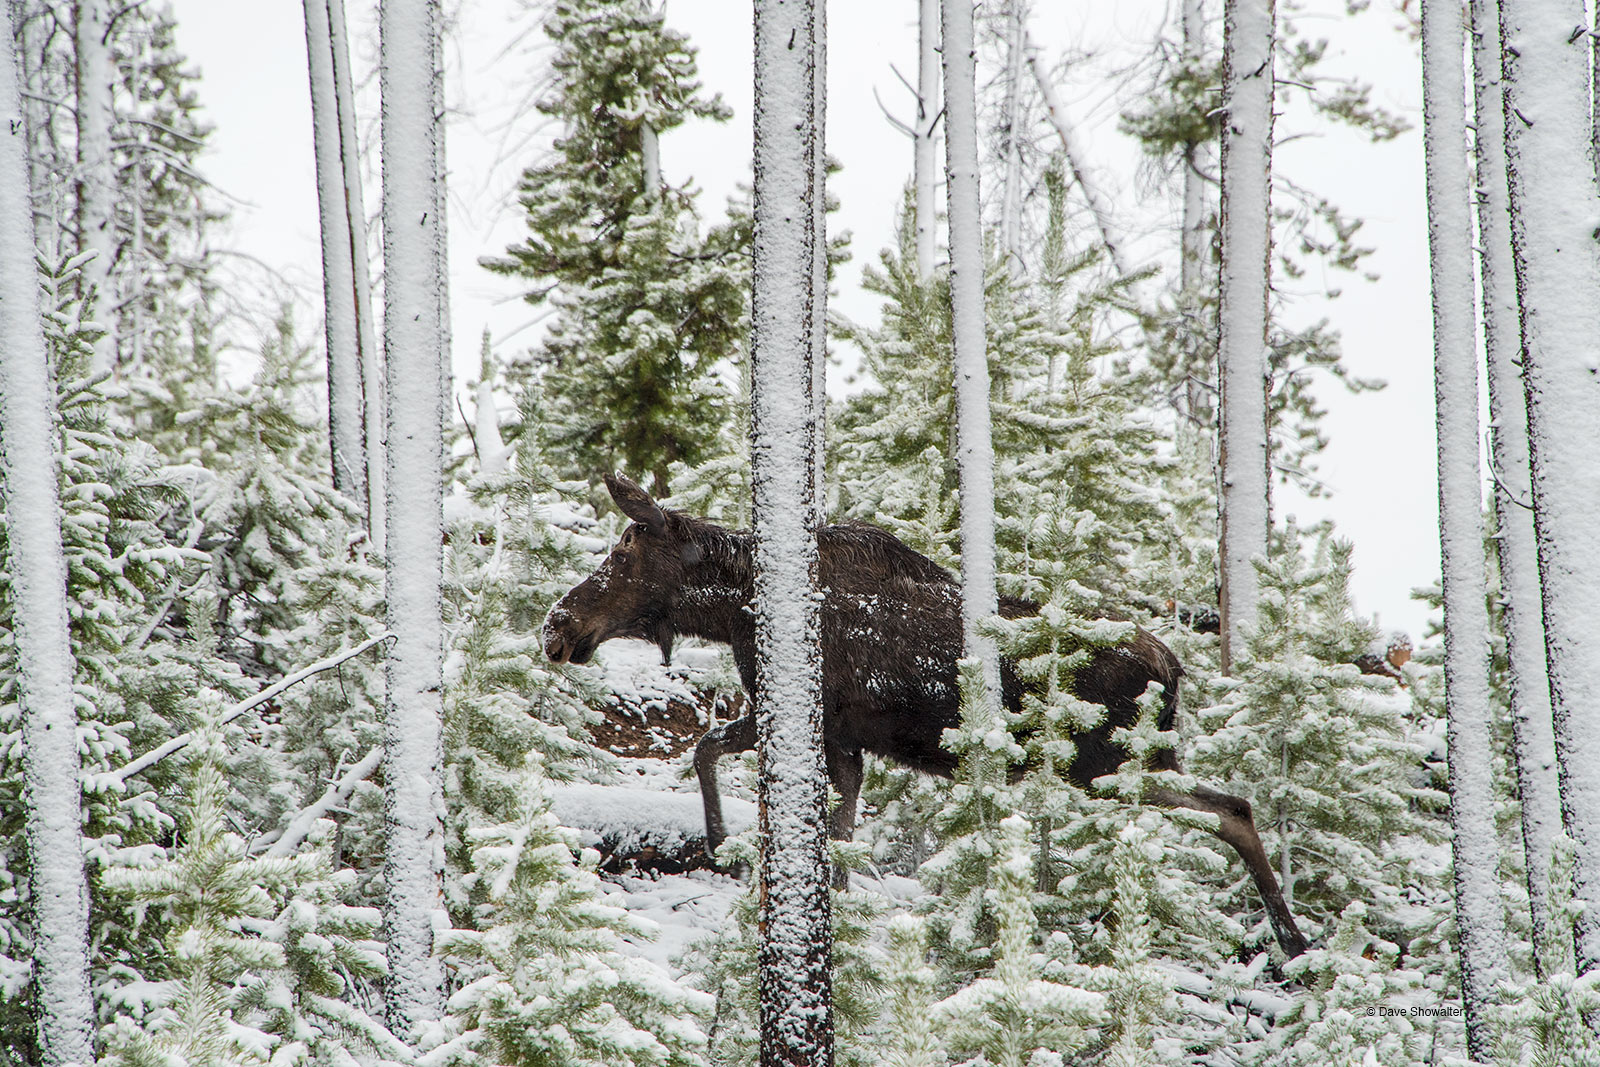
x=664, y=728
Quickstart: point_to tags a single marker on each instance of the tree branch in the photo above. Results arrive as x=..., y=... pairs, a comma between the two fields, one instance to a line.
x=284, y=842
x=156, y=755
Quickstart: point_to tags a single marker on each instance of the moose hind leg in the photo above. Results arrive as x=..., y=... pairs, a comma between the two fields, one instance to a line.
x=736, y=736
x=1237, y=828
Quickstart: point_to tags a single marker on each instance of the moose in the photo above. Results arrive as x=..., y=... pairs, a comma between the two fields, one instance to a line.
x=891, y=636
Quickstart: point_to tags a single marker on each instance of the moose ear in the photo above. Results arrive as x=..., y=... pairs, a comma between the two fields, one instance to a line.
x=635, y=502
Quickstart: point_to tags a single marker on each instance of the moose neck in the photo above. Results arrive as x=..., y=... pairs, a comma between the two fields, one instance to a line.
x=717, y=594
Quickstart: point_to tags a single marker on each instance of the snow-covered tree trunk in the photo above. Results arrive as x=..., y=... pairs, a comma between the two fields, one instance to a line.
x=1532, y=732
x=1466, y=618
x=37, y=572
x=819, y=264
x=974, y=445
x=413, y=802
x=361, y=281
x=96, y=182
x=1011, y=194
x=650, y=154
x=794, y=979
x=1553, y=190
x=926, y=144
x=1196, y=157
x=1099, y=206
x=346, y=408
x=1248, y=35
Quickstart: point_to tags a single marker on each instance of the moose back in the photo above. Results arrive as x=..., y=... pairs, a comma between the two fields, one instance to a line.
x=891, y=637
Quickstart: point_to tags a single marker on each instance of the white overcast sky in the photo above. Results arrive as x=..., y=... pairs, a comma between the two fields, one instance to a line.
x=1379, y=467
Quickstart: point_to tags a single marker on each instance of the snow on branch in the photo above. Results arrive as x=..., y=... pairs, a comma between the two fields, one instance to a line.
x=156, y=755
x=282, y=843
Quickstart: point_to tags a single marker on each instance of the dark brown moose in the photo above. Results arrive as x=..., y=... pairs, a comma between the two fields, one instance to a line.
x=891, y=635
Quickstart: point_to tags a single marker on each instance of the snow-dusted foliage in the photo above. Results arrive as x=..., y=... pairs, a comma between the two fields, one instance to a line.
x=544, y=979
x=649, y=308
x=1323, y=752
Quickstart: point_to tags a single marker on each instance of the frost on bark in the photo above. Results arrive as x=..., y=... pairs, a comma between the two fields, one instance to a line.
x=1466, y=619
x=346, y=405
x=96, y=180
x=413, y=804
x=1532, y=732
x=1553, y=191
x=794, y=980
x=925, y=143
x=974, y=444
x=819, y=263
x=37, y=572
x=1246, y=278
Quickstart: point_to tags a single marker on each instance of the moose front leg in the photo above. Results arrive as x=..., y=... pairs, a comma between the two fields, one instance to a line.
x=1237, y=827
x=736, y=736
x=845, y=772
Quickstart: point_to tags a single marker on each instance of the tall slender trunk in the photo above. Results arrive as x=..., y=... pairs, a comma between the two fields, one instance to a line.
x=794, y=978
x=1532, y=731
x=1550, y=179
x=926, y=145
x=413, y=800
x=974, y=445
x=1466, y=620
x=346, y=414
x=97, y=223
x=37, y=570
x=1011, y=194
x=1248, y=35
x=371, y=356
x=1196, y=157
x=1099, y=206
x=819, y=265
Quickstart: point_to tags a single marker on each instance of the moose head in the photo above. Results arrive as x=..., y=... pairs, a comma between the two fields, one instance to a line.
x=635, y=590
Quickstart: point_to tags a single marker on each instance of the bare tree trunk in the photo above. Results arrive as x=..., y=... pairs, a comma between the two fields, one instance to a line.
x=371, y=355
x=97, y=223
x=1550, y=179
x=1466, y=620
x=819, y=265
x=1196, y=157
x=346, y=409
x=1011, y=195
x=413, y=798
x=1246, y=280
x=1099, y=207
x=1532, y=731
x=975, y=448
x=37, y=571
x=926, y=143
x=794, y=978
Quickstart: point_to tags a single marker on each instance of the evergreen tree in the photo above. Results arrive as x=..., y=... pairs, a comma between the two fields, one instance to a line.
x=649, y=309
x=542, y=978
x=1320, y=750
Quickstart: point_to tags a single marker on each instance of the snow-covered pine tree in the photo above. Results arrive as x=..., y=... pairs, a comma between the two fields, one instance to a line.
x=1321, y=751
x=1014, y=1016
x=1335, y=1022
x=543, y=978
x=255, y=955
x=649, y=309
x=36, y=572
